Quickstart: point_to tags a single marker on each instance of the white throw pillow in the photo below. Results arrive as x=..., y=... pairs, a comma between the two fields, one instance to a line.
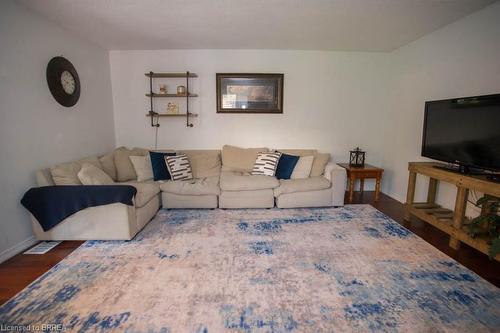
x=92, y=175
x=303, y=167
x=179, y=167
x=142, y=167
x=266, y=164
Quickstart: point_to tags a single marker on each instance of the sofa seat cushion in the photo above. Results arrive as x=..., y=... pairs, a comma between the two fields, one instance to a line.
x=241, y=181
x=301, y=185
x=145, y=191
x=197, y=186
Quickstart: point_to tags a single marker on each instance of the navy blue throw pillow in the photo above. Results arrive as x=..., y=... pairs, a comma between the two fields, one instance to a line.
x=286, y=164
x=159, y=166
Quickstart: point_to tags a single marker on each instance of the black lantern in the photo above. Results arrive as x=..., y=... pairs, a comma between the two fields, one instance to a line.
x=357, y=158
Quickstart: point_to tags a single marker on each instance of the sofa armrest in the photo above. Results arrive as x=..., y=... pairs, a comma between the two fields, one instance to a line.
x=338, y=177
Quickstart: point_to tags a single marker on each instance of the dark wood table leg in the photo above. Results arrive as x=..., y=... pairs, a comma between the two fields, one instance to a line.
x=377, y=188
x=361, y=185
x=352, y=180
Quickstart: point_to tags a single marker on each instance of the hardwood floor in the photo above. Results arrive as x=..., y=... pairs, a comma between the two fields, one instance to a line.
x=22, y=269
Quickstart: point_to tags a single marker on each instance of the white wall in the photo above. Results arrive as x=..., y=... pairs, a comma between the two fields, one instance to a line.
x=461, y=59
x=332, y=100
x=35, y=131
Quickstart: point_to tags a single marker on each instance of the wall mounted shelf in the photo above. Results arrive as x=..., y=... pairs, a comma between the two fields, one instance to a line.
x=194, y=115
x=155, y=115
x=170, y=75
x=170, y=95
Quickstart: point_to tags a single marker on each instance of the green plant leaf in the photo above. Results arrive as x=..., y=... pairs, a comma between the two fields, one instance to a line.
x=482, y=200
x=494, y=248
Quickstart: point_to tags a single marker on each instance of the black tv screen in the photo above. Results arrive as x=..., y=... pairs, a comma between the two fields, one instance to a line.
x=463, y=131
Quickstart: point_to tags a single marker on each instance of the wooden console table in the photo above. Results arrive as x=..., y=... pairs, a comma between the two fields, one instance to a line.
x=451, y=222
x=362, y=173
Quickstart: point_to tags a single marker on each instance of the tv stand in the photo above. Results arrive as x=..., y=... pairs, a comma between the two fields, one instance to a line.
x=459, y=168
x=453, y=222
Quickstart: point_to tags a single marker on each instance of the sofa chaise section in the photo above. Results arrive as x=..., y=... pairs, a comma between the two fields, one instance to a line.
x=108, y=222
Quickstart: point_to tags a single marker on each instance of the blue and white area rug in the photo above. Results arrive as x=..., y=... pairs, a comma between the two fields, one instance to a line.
x=293, y=270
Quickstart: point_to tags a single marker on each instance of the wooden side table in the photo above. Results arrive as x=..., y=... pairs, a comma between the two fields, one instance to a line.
x=362, y=173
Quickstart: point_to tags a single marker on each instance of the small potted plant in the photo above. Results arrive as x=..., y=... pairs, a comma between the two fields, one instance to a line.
x=488, y=223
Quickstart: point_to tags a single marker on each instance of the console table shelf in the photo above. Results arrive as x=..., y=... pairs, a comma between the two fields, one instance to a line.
x=452, y=222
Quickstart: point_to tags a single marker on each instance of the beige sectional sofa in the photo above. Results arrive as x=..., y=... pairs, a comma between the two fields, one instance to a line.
x=221, y=179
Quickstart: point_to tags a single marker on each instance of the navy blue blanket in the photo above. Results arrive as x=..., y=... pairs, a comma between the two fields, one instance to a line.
x=52, y=204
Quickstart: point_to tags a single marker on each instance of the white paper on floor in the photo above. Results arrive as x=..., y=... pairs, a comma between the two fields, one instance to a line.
x=42, y=248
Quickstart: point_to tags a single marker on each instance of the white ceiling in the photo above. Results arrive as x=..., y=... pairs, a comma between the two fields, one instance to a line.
x=344, y=25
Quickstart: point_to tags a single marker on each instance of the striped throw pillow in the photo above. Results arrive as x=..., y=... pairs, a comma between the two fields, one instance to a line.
x=266, y=164
x=179, y=167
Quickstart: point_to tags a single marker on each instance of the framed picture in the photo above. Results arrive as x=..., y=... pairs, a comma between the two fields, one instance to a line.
x=249, y=93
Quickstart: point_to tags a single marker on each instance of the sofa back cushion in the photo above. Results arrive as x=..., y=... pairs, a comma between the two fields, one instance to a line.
x=92, y=175
x=299, y=152
x=204, y=163
x=319, y=164
x=239, y=159
x=124, y=169
x=44, y=178
x=108, y=164
x=67, y=173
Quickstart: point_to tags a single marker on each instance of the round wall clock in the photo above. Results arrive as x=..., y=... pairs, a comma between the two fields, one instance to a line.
x=63, y=81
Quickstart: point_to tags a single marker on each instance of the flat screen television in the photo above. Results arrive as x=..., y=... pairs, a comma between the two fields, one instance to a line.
x=463, y=131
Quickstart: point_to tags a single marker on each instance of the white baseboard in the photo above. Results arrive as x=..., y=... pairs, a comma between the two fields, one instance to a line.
x=18, y=248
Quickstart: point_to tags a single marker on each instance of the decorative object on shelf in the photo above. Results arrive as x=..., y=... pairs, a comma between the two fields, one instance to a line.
x=357, y=158
x=249, y=93
x=155, y=116
x=63, y=81
x=181, y=90
x=162, y=89
x=172, y=108
x=487, y=224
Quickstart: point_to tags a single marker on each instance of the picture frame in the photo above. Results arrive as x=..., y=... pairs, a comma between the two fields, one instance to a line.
x=249, y=93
